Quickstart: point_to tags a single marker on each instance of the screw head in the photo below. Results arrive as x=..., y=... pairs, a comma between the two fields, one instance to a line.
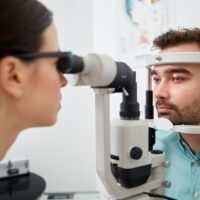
x=158, y=58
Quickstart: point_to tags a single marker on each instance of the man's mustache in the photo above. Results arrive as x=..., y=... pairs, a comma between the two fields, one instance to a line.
x=162, y=102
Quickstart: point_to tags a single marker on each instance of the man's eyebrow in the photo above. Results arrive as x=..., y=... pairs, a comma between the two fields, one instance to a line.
x=153, y=72
x=172, y=70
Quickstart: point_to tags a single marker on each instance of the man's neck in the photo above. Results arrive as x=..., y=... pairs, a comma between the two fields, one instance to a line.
x=193, y=141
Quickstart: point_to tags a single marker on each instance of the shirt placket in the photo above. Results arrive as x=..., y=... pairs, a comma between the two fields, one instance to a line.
x=195, y=170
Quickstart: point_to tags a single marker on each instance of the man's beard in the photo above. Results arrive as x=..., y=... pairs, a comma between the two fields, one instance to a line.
x=189, y=114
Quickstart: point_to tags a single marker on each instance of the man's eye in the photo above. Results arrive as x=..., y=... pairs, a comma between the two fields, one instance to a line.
x=178, y=78
x=156, y=80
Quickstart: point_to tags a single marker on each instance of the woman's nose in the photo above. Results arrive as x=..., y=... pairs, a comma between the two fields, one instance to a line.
x=63, y=80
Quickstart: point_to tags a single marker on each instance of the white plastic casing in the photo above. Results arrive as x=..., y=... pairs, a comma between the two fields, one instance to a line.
x=99, y=70
x=173, y=58
x=14, y=167
x=126, y=134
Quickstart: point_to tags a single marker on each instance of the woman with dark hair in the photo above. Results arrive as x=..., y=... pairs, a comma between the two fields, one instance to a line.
x=30, y=80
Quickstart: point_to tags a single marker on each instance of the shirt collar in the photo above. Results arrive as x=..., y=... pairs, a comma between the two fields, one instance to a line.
x=184, y=146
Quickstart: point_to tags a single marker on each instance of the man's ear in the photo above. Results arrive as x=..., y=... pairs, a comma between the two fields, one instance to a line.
x=11, y=76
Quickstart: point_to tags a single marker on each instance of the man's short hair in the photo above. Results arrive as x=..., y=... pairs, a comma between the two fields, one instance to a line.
x=177, y=37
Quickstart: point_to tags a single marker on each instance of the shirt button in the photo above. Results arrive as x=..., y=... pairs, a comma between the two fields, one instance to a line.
x=196, y=163
x=196, y=194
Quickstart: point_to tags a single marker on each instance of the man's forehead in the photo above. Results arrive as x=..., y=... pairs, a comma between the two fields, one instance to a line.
x=186, y=47
x=177, y=68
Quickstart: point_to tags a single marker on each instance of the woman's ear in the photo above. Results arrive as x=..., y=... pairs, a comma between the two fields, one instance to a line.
x=11, y=76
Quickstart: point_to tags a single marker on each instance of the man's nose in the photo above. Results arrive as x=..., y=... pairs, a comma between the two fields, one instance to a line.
x=161, y=91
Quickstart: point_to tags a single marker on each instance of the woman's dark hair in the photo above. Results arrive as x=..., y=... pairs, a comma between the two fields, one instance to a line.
x=22, y=23
x=177, y=37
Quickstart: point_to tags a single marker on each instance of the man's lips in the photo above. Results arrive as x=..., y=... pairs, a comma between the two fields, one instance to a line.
x=164, y=109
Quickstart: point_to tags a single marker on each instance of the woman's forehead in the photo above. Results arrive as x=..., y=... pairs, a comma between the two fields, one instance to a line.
x=50, y=39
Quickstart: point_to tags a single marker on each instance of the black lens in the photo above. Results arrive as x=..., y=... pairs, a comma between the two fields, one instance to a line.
x=62, y=65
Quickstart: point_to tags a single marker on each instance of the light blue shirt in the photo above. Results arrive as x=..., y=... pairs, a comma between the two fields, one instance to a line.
x=184, y=172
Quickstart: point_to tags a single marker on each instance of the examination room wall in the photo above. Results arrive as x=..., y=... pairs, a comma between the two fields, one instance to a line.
x=64, y=155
